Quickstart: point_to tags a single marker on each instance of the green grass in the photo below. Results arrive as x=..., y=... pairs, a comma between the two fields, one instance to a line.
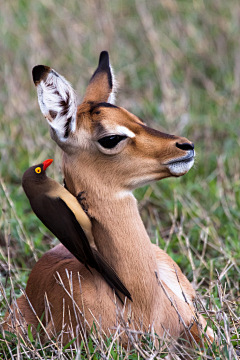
x=178, y=66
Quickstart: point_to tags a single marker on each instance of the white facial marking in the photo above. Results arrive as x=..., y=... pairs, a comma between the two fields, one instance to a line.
x=58, y=103
x=122, y=130
x=180, y=168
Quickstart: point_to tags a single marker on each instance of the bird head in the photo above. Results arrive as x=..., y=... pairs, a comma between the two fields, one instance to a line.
x=35, y=175
x=41, y=168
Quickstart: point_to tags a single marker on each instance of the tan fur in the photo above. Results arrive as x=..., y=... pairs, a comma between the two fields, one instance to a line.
x=98, y=87
x=107, y=177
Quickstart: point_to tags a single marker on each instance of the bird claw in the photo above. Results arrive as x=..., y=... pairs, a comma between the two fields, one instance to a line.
x=81, y=199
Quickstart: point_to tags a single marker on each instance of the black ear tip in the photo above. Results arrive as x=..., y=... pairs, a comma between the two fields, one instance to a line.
x=104, y=58
x=38, y=72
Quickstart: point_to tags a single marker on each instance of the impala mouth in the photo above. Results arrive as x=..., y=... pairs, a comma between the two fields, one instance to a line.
x=181, y=166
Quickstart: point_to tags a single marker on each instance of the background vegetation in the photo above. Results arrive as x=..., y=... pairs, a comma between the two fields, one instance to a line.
x=178, y=67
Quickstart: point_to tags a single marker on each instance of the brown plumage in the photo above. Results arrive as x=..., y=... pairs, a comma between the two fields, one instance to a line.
x=61, y=213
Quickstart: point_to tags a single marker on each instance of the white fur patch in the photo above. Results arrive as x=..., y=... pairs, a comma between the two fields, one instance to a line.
x=123, y=194
x=122, y=130
x=210, y=332
x=180, y=168
x=55, y=96
x=169, y=277
x=112, y=96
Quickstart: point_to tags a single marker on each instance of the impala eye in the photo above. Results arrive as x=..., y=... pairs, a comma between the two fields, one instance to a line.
x=109, y=142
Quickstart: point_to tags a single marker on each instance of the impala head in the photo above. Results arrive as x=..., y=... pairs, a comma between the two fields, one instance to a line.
x=105, y=140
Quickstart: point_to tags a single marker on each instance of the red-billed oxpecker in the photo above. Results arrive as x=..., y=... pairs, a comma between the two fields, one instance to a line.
x=62, y=214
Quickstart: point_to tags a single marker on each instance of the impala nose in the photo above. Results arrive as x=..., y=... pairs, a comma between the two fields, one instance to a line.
x=185, y=146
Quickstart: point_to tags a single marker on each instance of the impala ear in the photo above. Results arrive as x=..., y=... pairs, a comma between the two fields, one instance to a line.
x=102, y=86
x=57, y=100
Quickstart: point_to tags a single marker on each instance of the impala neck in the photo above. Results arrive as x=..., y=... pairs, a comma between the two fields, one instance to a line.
x=121, y=238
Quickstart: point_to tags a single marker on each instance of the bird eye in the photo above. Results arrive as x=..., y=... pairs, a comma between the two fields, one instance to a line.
x=109, y=142
x=38, y=170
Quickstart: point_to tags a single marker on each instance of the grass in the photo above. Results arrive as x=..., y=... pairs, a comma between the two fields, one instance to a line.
x=178, y=66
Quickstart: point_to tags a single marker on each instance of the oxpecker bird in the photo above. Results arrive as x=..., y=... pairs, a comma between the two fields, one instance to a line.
x=62, y=214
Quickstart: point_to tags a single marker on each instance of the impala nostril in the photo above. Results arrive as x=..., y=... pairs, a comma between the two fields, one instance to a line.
x=185, y=146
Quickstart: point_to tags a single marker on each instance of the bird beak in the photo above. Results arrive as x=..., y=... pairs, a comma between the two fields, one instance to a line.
x=46, y=163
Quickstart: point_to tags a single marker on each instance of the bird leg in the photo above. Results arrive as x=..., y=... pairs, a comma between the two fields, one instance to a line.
x=80, y=198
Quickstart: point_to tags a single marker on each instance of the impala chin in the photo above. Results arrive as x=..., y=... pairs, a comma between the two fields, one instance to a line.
x=181, y=166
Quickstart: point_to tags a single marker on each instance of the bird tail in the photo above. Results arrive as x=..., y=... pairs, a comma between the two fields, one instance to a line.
x=110, y=275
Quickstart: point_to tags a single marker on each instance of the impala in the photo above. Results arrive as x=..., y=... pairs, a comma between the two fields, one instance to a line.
x=107, y=153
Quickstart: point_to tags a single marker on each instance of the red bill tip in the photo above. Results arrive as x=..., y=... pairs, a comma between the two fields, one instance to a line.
x=46, y=163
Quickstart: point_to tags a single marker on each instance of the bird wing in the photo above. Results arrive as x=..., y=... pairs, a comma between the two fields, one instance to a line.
x=61, y=221
x=110, y=276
